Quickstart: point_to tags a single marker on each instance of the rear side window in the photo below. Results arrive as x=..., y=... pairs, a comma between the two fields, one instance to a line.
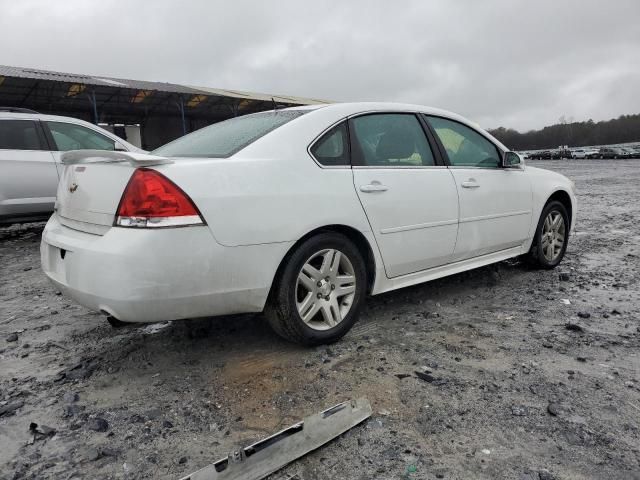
x=332, y=149
x=223, y=139
x=68, y=136
x=20, y=135
x=390, y=140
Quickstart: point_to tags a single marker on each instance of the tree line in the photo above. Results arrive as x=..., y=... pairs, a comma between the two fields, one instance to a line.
x=623, y=129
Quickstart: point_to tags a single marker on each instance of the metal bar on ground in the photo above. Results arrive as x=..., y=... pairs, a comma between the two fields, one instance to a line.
x=273, y=453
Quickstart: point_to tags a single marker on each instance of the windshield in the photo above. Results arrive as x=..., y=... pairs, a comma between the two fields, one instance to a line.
x=223, y=139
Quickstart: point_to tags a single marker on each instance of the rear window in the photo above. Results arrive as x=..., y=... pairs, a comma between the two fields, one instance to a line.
x=223, y=139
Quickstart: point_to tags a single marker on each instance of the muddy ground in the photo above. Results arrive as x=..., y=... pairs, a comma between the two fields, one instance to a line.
x=514, y=392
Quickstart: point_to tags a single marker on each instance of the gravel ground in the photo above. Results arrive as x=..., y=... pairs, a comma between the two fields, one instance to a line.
x=532, y=374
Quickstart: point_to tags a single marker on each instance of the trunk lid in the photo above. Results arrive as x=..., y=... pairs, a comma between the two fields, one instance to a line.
x=92, y=184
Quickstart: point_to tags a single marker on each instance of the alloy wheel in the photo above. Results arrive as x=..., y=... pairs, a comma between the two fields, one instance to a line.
x=553, y=235
x=325, y=289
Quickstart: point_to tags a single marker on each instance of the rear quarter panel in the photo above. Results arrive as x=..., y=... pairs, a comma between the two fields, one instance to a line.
x=271, y=191
x=253, y=201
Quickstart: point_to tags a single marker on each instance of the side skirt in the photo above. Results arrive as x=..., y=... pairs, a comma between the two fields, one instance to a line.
x=387, y=285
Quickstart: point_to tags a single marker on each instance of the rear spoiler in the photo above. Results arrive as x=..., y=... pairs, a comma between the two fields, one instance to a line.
x=106, y=156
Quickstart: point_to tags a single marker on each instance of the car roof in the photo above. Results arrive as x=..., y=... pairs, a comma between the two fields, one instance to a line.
x=39, y=116
x=361, y=107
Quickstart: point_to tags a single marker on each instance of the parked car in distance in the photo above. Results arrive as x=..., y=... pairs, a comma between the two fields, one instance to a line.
x=579, y=153
x=300, y=213
x=592, y=152
x=561, y=153
x=30, y=149
x=612, y=152
x=541, y=155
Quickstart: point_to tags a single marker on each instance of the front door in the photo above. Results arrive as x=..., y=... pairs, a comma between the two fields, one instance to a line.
x=495, y=202
x=410, y=201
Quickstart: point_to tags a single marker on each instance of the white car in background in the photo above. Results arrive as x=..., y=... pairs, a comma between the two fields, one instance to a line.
x=579, y=153
x=30, y=149
x=300, y=213
x=585, y=153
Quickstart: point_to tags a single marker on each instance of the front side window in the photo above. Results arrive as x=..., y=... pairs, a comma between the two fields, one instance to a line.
x=20, y=135
x=332, y=149
x=68, y=136
x=465, y=147
x=390, y=140
x=223, y=139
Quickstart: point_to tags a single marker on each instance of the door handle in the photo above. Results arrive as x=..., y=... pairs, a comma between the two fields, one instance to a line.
x=470, y=184
x=373, y=187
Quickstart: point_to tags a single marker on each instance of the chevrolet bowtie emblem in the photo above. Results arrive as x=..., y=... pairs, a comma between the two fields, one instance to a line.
x=73, y=187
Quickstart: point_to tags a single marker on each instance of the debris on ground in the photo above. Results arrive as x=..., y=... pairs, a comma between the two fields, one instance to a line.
x=273, y=453
x=574, y=327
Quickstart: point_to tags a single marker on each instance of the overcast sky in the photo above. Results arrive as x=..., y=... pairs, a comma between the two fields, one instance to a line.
x=514, y=63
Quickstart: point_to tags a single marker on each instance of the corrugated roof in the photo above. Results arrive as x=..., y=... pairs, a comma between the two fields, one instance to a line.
x=266, y=97
x=37, y=74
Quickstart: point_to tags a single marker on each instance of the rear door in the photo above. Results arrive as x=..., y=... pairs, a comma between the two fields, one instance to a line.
x=28, y=175
x=495, y=202
x=409, y=198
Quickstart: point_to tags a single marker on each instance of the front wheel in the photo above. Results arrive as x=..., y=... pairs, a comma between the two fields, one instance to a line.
x=551, y=237
x=318, y=294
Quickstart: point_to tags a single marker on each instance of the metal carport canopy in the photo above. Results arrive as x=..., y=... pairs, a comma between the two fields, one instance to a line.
x=109, y=99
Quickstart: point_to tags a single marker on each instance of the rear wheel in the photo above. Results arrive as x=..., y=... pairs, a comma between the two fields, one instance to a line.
x=115, y=323
x=551, y=237
x=319, y=292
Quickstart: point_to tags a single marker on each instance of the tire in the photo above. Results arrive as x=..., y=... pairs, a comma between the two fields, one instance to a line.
x=115, y=323
x=295, y=290
x=539, y=255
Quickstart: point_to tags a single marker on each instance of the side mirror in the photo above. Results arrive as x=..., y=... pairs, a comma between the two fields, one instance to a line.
x=511, y=160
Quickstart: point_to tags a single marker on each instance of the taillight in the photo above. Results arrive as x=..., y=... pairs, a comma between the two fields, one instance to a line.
x=151, y=200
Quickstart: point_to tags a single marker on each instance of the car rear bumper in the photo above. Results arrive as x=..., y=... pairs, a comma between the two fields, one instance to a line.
x=142, y=275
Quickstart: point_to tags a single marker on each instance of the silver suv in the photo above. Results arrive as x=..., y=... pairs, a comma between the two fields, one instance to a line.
x=30, y=149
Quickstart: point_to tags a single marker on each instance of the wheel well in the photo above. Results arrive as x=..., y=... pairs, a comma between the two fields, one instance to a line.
x=564, y=198
x=352, y=234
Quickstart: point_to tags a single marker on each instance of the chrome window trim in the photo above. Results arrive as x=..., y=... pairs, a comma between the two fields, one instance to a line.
x=502, y=169
x=398, y=167
x=21, y=150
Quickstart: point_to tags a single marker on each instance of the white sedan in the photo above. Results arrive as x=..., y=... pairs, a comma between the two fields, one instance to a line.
x=300, y=213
